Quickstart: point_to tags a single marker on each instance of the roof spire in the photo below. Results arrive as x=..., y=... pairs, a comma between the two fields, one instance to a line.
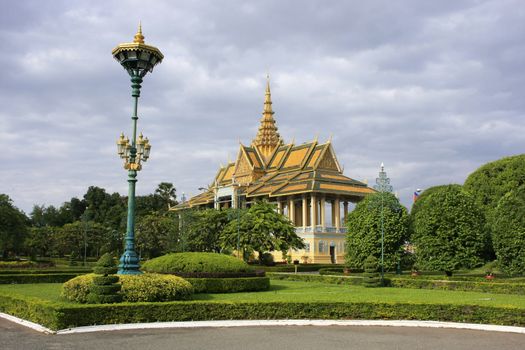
x=267, y=139
x=139, y=38
x=268, y=98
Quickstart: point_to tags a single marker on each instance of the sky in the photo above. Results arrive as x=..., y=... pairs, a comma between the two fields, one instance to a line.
x=433, y=89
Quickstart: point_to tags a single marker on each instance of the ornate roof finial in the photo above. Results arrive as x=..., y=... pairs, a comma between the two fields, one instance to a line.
x=139, y=38
x=268, y=98
x=267, y=139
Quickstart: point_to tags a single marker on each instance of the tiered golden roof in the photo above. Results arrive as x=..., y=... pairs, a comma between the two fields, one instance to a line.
x=269, y=168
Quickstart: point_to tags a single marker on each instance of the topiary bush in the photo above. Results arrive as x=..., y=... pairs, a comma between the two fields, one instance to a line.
x=105, y=288
x=508, y=232
x=371, y=276
x=135, y=288
x=195, y=264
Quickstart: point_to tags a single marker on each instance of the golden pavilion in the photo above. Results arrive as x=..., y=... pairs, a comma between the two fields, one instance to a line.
x=305, y=181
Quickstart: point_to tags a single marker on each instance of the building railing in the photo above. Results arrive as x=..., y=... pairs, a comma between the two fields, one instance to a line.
x=320, y=229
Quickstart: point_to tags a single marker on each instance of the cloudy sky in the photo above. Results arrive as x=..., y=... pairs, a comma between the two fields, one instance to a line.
x=433, y=89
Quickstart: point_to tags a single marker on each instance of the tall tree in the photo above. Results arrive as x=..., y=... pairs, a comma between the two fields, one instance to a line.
x=261, y=229
x=492, y=181
x=13, y=226
x=508, y=231
x=203, y=228
x=155, y=234
x=365, y=234
x=167, y=192
x=448, y=230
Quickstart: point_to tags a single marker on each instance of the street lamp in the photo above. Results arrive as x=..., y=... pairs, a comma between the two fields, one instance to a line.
x=137, y=59
x=383, y=185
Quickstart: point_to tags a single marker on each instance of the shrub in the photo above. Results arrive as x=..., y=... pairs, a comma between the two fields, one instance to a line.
x=448, y=230
x=135, y=288
x=267, y=259
x=155, y=287
x=192, y=262
x=17, y=264
x=105, y=288
x=371, y=276
x=508, y=232
x=492, y=181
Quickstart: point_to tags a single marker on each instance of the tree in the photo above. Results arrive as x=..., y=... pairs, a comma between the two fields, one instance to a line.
x=364, y=230
x=492, y=181
x=41, y=240
x=155, y=234
x=13, y=226
x=261, y=229
x=71, y=237
x=167, y=192
x=508, y=231
x=203, y=228
x=448, y=230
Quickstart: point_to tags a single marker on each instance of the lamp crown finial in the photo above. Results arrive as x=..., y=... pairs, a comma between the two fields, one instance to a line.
x=139, y=38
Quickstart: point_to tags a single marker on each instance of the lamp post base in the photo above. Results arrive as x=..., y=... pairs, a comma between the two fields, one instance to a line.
x=129, y=264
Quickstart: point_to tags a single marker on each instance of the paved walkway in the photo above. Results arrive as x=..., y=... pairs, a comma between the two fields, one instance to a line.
x=14, y=336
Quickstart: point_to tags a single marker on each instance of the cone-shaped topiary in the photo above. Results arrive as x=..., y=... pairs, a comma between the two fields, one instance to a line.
x=73, y=259
x=371, y=276
x=105, y=287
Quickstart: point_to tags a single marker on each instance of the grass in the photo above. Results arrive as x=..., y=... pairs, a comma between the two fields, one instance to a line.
x=293, y=291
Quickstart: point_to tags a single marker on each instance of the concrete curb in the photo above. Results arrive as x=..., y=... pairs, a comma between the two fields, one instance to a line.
x=267, y=323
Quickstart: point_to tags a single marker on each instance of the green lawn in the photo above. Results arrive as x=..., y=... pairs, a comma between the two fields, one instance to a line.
x=294, y=291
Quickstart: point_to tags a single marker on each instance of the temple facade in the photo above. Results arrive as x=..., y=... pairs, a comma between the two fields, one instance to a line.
x=305, y=181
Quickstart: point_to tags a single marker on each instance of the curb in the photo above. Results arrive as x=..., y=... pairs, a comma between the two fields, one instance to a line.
x=266, y=323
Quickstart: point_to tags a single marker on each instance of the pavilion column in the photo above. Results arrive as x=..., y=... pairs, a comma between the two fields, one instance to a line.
x=305, y=210
x=323, y=216
x=279, y=206
x=345, y=210
x=313, y=214
x=337, y=209
x=291, y=210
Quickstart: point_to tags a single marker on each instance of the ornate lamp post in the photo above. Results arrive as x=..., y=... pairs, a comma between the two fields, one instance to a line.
x=382, y=185
x=137, y=59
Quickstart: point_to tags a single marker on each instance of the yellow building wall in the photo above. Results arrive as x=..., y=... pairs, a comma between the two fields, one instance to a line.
x=314, y=255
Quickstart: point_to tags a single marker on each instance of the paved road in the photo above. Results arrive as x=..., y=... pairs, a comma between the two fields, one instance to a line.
x=14, y=336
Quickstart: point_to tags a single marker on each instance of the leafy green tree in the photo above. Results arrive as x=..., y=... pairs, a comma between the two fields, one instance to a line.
x=155, y=234
x=203, y=229
x=492, y=181
x=71, y=237
x=167, y=192
x=364, y=230
x=261, y=229
x=41, y=240
x=508, y=231
x=448, y=230
x=106, y=209
x=13, y=226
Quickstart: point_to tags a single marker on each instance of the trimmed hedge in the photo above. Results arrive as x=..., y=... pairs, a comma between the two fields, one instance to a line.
x=483, y=287
x=351, y=280
x=60, y=316
x=43, y=271
x=229, y=285
x=300, y=267
x=36, y=278
x=135, y=288
x=193, y=262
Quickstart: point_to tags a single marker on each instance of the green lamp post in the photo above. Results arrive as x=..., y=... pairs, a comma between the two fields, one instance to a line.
x=383, y=186
x=137, y=59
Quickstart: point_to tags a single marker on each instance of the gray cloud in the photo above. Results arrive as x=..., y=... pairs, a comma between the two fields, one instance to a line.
x=432, y=89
